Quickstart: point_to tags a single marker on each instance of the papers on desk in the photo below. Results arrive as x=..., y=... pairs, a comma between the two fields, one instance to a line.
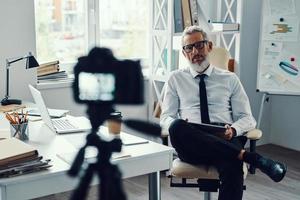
x=90, y=155
x=132, y=140
x=17, y=158
x=78, y=140
x=54, y=113
x=13, y=150
x=10, y=108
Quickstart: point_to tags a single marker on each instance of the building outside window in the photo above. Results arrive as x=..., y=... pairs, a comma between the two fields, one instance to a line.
x=67, y=29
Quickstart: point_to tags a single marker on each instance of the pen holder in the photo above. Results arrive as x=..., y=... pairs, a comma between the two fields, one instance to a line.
x=20, y=131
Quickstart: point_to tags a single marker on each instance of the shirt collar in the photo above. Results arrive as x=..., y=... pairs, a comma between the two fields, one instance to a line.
x=208, y=71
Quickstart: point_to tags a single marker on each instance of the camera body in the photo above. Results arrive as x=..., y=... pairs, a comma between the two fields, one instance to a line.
x=102, y=79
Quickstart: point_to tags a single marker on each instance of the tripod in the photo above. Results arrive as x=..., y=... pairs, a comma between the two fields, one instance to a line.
x=110, y=187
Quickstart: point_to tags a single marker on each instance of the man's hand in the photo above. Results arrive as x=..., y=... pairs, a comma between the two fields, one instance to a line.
x=229, y=133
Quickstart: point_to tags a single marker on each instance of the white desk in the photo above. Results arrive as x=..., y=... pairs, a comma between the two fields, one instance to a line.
x=149, y=158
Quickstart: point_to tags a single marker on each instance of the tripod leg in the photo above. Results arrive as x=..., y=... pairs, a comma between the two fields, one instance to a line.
x=112, y=187
x=82, y=190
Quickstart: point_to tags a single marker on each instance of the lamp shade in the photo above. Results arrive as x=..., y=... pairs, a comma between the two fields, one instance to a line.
x=31, y=62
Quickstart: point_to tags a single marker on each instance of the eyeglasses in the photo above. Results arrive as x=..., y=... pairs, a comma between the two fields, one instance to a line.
x=198, y=45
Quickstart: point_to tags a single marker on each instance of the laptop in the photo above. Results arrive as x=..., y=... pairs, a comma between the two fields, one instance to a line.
x=61, y=125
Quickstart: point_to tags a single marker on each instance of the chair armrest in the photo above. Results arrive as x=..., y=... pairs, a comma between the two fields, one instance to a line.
x=254, y=134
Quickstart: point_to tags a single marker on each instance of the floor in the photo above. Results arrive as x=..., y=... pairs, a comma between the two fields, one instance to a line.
x=259, y=186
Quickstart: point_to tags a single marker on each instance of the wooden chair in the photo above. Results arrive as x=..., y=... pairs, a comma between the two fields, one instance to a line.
x=205, y=177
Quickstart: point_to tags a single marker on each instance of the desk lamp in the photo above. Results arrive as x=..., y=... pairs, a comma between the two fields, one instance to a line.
x=30, y=63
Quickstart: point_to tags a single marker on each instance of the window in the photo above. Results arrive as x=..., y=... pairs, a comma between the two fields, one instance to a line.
x=61, y=30
x=125, y=28
x=67, y=29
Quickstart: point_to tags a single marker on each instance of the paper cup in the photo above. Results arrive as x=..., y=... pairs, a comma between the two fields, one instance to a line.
x=114, y=123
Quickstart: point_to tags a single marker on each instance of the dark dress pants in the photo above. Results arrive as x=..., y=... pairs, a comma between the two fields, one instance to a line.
x=195, y=146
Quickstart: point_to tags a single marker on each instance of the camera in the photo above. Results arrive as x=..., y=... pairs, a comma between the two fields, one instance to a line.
x=102, y=79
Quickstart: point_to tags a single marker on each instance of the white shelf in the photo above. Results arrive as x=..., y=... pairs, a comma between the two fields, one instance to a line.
x=159, y=78
x=223, y=32
x=231, y=11
x=160, y=32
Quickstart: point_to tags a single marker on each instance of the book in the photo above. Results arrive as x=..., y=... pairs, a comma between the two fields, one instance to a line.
x=48, y=67
x=16, y=164
x=174, y=60
x=47, y=72
x=25, y=168
x=14, y=151
x=52, y=80
x=186, y=13
x=178, y=20
x=56, y=62
x=194, y=12
x=61, y=74
x=223, y=26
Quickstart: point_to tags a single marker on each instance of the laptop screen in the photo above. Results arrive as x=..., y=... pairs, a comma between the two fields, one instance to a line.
x=37, y=96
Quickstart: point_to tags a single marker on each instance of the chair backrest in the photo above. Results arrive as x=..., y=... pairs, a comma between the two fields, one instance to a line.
x=218, y=57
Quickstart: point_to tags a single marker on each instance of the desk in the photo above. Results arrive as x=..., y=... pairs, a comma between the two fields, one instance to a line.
x=149, y=158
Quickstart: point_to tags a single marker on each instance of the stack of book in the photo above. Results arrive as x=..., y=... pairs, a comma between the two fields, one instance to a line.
x=186, y=13
x=193, y=12
x=50, y=72
x=48, y=68
x=18, y=158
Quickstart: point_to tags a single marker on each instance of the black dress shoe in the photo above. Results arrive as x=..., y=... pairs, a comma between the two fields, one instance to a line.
x=275, y=170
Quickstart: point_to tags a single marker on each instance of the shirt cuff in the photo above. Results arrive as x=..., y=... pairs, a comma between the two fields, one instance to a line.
x=166, y=123
x=237, y=130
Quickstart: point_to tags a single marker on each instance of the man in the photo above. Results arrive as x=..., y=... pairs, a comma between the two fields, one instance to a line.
x=203, y=93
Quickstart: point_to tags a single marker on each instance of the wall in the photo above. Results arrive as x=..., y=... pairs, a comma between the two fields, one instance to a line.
x=17, y=38
x=282, y=113
x=285, y=116
x=250, y=29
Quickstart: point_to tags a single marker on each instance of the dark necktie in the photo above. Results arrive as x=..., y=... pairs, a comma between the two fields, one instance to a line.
x=203, y=100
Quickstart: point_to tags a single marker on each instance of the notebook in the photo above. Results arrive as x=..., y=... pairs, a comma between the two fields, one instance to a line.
x=61, y=125
x=90, y=155
x=14, y=150
x=79, y=140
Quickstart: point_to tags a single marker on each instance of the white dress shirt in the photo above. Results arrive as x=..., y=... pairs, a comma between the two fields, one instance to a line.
x=226, y=97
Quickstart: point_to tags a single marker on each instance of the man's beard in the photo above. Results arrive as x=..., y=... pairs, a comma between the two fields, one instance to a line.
x=199, y=68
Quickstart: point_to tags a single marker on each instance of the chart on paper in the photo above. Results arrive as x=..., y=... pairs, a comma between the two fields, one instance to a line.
x=279, y=51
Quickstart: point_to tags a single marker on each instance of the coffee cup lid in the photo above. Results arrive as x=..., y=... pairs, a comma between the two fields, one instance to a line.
x=115, y=115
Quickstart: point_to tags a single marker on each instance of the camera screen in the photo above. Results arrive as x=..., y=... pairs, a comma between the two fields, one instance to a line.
x=96, y=86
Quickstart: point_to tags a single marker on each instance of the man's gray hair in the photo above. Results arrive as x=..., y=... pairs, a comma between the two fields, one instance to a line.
x=193, y=29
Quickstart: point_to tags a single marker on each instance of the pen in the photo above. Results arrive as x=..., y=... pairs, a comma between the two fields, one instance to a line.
x=22, y=116
x=9, y=118
x=17, y=117
x=25, y=118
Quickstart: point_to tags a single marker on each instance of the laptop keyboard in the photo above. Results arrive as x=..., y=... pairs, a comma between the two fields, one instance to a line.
x=63, y=124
